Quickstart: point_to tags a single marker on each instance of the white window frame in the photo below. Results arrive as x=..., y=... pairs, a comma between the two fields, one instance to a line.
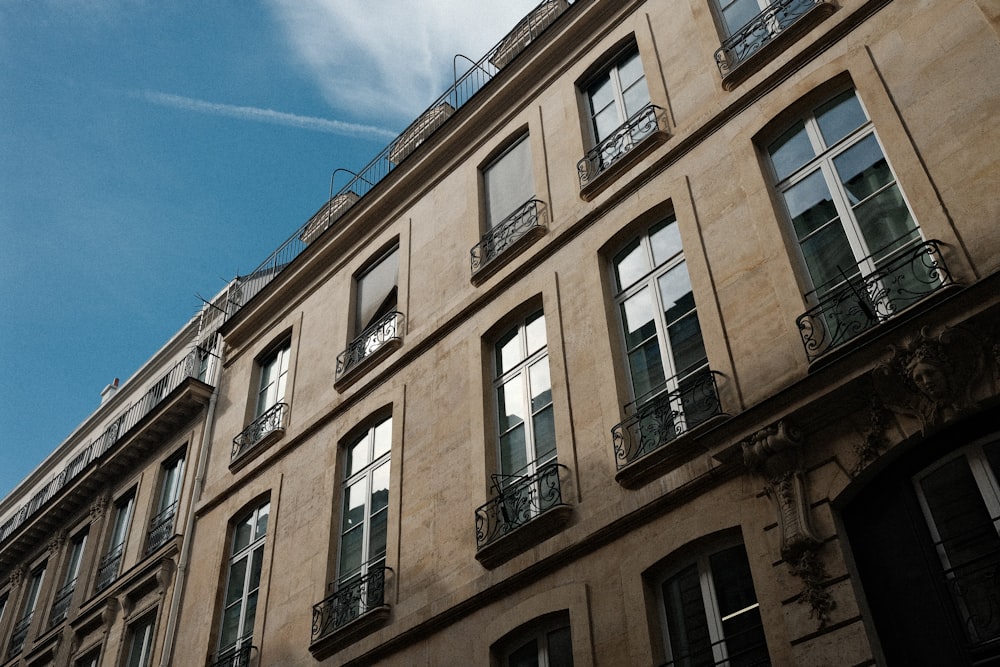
x=140, y=642
x=171, y=482
x=255, y=544
x=273, y=378
x=612, y=73
x=122, y=522
x=538, y=631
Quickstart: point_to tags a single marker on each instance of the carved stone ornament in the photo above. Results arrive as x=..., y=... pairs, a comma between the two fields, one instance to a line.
x=109, y=613
x=99, y=506
x=17, y=575
x=56, y=543
x=933, y=377
x=875, y=441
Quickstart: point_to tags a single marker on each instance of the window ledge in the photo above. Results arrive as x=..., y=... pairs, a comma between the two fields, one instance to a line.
x=347, y=634
x=738, y=72
x=510, y=238
x=375, y=343
x=523, y=537
x=255, y=450
x=666, y=457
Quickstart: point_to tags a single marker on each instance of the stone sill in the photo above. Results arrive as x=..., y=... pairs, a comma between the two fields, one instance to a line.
x=258, y=448
x=520, y=539
x=352, y=374
x=667, y=456
x=349, y=633
x=508, y=254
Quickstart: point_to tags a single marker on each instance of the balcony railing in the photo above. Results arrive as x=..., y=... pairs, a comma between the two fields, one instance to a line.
x=866, y=301
x=351, y=601
x=235, y=656
x=972, y=578
x=526, y=219
x=666, y=415
x=518, y=504
x=99, y=446
x=18, y=635
x=272, y=421
x=746, y=648
x=620, y=143
x=108, y=568
x=387, y=330
x=60, y=606
x=761, y=29
x=161, y=528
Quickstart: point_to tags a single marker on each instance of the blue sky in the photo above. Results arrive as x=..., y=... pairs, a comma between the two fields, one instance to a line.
x=150, y=150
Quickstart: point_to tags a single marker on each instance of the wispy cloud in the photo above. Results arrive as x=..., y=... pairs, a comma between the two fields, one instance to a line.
x=389, y=59
x=255, y=114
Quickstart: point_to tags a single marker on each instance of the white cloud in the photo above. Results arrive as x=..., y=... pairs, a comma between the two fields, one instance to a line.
x=268, y=116
x=389, y=59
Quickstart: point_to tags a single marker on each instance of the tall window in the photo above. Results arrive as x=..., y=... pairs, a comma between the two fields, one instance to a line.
x=542, y=644
x=846, y=209
x=662, y=334
x=366, y=504
x=526, y=431
x=273, y=376
x=960, y=498
x=162, y=525
x=140, y=642
x=509, y=182
x=243, y=580
x=60, y=606
x=376, y=291
x=709, y=612
x=613, y=97
x=20, y=632
x=110, y=565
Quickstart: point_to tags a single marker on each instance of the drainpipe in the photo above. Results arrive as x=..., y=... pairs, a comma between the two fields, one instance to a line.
x=170, y=634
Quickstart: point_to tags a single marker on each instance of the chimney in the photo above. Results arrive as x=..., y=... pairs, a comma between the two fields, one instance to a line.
x=109, y=391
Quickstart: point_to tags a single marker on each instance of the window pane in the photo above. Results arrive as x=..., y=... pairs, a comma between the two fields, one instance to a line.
x=509, y=182
x=513, y=458
x=256, y=563
x=525, y=656
x=687, y=627
x=839, y=117
x=632, y=262
x=810, y=204
x=230, y=627
x=383, y=438
x=636, y=97
x=738, y=13
x=630, y=71
x=350, y=552
x=541, y=385
x=790, y=151
x=606, y=122
x=675, y=291
x=885, y=222
x=863, y=169
x=646, y=368
x=354, y=504
x=959, y=513
x=829, y=257
x=686, y=344
x=237, y=580
x=560, y=648
x=733, y=583
x=376, y=543
x=380, y=488
x=545, y=435
x=376, y=291
x=601, y=94
x=251, y=615
x=535, y=332
x=262, y=515
x=637, y=313
x=357, y=454
x=508, y=352
x=510, y=402
x=666, y=241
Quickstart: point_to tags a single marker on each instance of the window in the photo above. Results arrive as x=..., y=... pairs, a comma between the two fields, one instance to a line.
x=854, y=230
x=960, y=499
x=60, y=606
x=140, y=642
x=91, y=659
x=162, y=525
x=20, y=632
x=110, y=565
x=273, y=377
x=243, y=580
x=748, y=25
x=366, y=504
x=375, y=320
x=270, y=409
x=709, y=612
x=546, y=643
x=509, y=182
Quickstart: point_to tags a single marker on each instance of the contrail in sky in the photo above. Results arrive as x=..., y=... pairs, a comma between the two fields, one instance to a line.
x=268, y=116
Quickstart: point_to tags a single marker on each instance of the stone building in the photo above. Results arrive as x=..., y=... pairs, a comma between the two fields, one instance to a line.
x=717, y=382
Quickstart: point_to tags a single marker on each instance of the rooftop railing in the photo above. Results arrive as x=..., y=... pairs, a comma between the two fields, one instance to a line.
x=464, y=89
x=863, y=302
x=99, y=446
x=761, y=29
x=350, y=601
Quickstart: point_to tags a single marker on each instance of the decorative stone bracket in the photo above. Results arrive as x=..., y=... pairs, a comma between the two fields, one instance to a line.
x=774, y=453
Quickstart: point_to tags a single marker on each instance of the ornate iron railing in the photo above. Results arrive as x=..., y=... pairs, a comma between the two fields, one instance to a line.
x=99, y=446
x=519, y=503
x=528, y=217
x=974, y=583
x=235, y=656
x=351, y=600
x=108, y=568
x=464, y=89
x=620, y=143
x=19, y=634
x=663, y=416
x=271, y=421
x=761, y=29
x=161, y=528
x=372, y=339
x=60, y=606
x=746, y=648
x=866, y=301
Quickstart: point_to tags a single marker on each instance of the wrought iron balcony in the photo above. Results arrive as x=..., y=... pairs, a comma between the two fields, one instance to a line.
x=384, y=333
x=235, y=656
x=527, y=219
x=161, y=528
x=271, y=422
x=351, y=601
x=657, y=420
x=19, y=634
x=779, y=16
x=866, y=301
x=60, y=606
x=108, y=568
x=645, y=123
x=519, y=503
x=746, y=648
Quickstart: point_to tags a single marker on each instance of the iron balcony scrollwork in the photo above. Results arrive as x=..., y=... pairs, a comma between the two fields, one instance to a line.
x=272, y=421
x=235, y=656
x=761, y=29
x=656, y=421
x=866, y=301
x=161, y=528
x=389, y=329
x=528, y=218
x=18, y=635
x=620, y=143
x=351, y=601
x=107, y=570
x=518, y=503
x=60, y=606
